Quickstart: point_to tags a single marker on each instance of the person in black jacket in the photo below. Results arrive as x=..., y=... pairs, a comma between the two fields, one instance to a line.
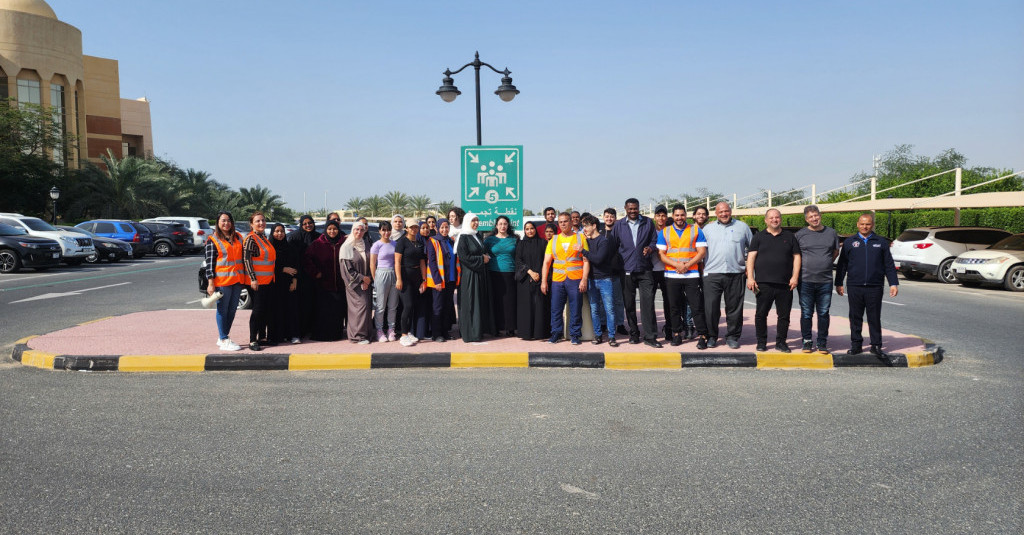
x=637, y=245
x=602, y=250
x=866, y=262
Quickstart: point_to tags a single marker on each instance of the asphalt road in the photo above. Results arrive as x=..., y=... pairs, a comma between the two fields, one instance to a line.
x=931, y=450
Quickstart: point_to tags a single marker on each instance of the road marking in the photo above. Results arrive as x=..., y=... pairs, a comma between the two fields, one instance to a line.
x=895, y=303
x=65, y=294
x=194, y=301
x=576, y=490
x=86, y=278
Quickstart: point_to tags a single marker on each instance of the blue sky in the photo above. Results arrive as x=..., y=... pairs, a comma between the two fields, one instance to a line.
x=617, y=99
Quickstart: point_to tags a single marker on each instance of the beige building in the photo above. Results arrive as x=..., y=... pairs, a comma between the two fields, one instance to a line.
x=41, y=62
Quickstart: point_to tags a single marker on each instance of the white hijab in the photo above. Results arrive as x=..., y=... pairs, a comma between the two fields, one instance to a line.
x=347, y=251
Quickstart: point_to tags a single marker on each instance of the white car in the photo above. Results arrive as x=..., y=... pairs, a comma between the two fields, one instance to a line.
x=931, y=250
x=1002, y=263
x=200, y=228
x=74, y=249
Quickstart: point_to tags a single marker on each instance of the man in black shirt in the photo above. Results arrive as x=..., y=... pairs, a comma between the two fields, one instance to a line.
x=773, y=268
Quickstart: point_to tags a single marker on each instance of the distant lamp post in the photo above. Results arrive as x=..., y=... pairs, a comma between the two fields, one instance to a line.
x=54, y=194
x=506, y=91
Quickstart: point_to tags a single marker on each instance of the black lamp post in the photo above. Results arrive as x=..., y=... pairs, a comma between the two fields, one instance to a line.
x=54, y=194
x=506, y=91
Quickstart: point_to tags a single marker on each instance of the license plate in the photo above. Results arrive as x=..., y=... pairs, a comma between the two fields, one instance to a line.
x=56, y=255
x=960, y=270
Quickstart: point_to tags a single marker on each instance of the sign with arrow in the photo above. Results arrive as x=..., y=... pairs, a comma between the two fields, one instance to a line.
x=492, y=183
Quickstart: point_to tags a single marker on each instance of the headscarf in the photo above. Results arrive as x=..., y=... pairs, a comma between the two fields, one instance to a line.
x=468, y=229
x=276, y=243
x=351, y=244
x=335, y=239
x=303, y=237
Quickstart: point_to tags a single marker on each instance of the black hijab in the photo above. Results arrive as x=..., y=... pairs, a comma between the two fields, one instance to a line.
x=337, y=239
x=302, y=238
x=530, y=253
x=287, y=253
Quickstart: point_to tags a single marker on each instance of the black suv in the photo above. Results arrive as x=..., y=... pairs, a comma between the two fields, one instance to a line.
x=18, y=249
x=169, y=238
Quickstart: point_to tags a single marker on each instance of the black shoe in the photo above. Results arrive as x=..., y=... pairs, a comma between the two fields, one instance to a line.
x=877, y=351
x=677, y=340
x=761, y=346
x=823, y=349
x=575, y=341
x=808, y=347
x=612, y=342
x=439, y=339
x=702, y=342
x=255, y=346
x=855, y=350
x=733, y=344
x=634, y=340
x=621, y=329
x=597, y=341
x=782, y=346
x=691, y=332
x=653, y=343
x=712, y=342
x=554, y=339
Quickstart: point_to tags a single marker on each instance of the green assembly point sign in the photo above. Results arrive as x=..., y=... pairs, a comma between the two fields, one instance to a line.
x=492, y=183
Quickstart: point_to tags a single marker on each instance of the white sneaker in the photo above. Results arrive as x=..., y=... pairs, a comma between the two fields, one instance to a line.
x=412, y=338
x=296, y=340
x=228, y=345
x=220, y=344
x=363, y=342
x=407, y=341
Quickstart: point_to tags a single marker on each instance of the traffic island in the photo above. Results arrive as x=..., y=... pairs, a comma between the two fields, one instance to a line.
x=103, y=345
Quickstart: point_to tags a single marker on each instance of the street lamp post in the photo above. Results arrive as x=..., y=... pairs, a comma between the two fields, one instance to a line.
x=506, y=91
x=54, y=194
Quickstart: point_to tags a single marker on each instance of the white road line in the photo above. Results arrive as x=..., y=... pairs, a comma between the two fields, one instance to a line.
x=895, y=303
x=65, y=294
x=751, y=304
x=194, y=301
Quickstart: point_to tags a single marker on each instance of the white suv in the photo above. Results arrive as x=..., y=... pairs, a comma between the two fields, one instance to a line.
x=931, y=250
x=200, y=228
x=74, y=248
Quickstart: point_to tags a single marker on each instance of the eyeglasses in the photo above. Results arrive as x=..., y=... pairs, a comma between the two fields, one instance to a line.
x=308, y=223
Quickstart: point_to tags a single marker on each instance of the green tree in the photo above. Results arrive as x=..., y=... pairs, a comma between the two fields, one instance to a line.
x=259, y=198
x=443, y=207
x=376, y=206
x=356, y=204
x=129, y=188
x=27, y=172
x=900, y=165
x=396, y=201
x=419, y=204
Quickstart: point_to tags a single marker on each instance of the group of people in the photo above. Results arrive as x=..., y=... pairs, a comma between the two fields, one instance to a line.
x=424, y=277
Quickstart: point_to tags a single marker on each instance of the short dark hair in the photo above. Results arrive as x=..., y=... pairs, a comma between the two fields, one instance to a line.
x=678, y=206
x=611, y=211
x=574, y=212
x=632, y=200
x=811, y=208
x=700, y=207
x=550, y=209
x=566, y=214
x=384, y=225
x=588, y=220
x=660, y=209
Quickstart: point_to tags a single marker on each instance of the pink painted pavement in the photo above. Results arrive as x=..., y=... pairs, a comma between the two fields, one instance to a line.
x=187, y=332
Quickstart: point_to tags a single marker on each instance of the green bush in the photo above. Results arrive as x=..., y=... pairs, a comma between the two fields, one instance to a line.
x=1009, y=218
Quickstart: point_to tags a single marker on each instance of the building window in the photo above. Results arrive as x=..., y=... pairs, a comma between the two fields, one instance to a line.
x=29, y=92
x=58, y=107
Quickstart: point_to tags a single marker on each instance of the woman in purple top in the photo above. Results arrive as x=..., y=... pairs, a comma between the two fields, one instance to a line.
x=382, y=265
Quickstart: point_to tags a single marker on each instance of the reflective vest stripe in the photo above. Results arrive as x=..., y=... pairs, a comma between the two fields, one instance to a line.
x=681, y=248
x=228, y=269
x=431, y=283
x=264, y=269
x=566, y=266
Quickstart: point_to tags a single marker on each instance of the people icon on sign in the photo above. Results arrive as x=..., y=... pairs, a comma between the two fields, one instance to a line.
x=491, y=175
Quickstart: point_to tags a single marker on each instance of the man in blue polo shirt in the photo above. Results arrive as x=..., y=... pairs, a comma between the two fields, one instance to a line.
x=682, y=248
x=865, y=260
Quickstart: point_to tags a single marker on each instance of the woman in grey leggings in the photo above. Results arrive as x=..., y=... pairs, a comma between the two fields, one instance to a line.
x=382, y=265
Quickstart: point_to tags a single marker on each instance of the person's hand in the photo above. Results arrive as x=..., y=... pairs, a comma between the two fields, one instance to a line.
x=366, y=280
x=682, y=268
x=364, y=285
x=647, y=251
x=291, y=271
x=752, y=285
x=544, y=287
x=792, y=283
x=583, y=285
x=319, y=275
x=399, y=285
x=295, y=284
x=210, y=289
x=487, y=258
x=534, y=275
x=423, y=287
x=254, y=285
x=839, y=290
x=893, y=290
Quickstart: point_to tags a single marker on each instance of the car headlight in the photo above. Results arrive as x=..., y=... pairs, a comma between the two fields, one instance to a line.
x=31, y=245
x=996, y=260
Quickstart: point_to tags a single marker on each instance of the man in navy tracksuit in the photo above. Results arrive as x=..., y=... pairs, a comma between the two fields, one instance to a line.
x=866, y=260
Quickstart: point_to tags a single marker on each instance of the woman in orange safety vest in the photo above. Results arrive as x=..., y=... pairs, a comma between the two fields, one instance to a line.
x=258, y=257
x=225, y=274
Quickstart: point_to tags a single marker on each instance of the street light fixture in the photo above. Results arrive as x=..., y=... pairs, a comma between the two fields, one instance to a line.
x=54, y=194
x=506, y=91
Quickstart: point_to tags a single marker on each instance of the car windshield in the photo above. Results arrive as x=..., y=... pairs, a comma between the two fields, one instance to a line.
x=78, y=231
x=35, y=223
x=1010, y=243
x=7, y=230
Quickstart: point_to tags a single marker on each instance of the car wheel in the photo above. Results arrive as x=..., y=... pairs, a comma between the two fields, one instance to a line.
x=93, y=258
x=244, y=302
x=10, y=262
x=162, y=249
x=1014, y=279
x=913, y=275
x=945, y=273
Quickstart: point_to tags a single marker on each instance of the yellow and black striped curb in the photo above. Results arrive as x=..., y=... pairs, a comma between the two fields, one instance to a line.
x=365, y=361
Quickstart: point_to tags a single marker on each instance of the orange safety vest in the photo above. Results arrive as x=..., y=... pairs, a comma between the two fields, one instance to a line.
x=229, y=269
x=567, y=264
x=264, y=267
x=439, y=254
x=681, y=248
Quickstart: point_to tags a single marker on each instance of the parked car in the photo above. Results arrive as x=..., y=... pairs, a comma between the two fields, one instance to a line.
x=243, y=299
x=169, y=238
x=107, y=249
x=125, y=230
x=74, y=249
x=18, y=249
x=1002, y=263
x=931, y=250
x=199, y=227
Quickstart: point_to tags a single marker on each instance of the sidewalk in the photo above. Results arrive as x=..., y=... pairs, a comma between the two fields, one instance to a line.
x=185, y=340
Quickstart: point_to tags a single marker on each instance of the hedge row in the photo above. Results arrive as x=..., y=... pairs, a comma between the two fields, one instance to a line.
x=1008, y=218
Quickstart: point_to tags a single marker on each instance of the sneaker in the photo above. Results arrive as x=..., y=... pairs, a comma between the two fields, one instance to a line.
x=391, y=335
x=677, y=340
x=782, y=346
x=228, y=345
x=761, y=346
x=612, y=342
x=381, y=337
x=855, y=350
x=598, y=340
x=296, y=340
x=406, y=341
x=575, y=341
x=255, y=346
x=220, y=343
x=634, y=339
x=440, y=339
x=808, y=347
x=702, y=342
x=412, y=338
x=823, y=349
x=733, y=344
x=554, y=339
x=712, y=342
x=363, y=342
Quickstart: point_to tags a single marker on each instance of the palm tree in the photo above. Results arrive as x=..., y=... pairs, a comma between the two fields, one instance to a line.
x=376, y=205
x=396, y=201
x=128, y=188
x=259, y=198
x=356, y=204
x=419, y=204
x=443, y=207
